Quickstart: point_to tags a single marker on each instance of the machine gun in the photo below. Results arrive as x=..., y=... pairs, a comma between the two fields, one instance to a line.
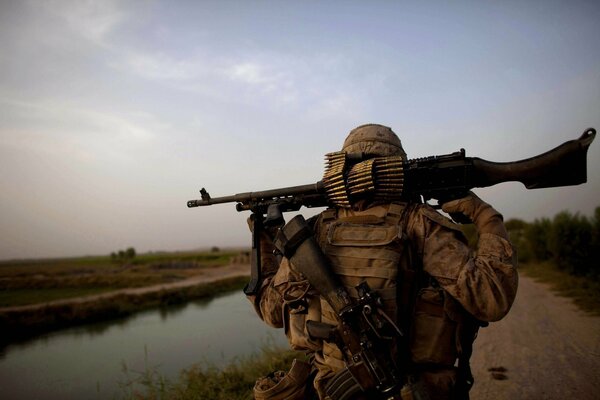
x=350, y=177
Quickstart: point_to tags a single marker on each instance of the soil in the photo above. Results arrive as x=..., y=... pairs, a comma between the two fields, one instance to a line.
x=545, y=348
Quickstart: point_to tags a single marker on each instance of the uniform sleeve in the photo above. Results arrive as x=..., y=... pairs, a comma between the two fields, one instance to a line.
x=269, y=302
x=484, y=283
x=278, y=279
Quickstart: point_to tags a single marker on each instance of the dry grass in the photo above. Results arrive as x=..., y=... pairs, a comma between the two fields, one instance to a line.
x=233, y=382
x=583, y=290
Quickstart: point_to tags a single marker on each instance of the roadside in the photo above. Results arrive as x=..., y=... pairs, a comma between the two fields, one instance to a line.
x=546, y=348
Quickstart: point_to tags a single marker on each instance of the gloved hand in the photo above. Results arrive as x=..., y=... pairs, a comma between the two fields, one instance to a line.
x=484, y=216
x=269, y=262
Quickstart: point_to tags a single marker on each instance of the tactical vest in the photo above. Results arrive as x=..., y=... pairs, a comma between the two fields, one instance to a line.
x=363, y=246
x=373, y=246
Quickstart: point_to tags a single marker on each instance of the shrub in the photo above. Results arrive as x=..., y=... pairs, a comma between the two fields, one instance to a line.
x=570, y=240
x=536, y=235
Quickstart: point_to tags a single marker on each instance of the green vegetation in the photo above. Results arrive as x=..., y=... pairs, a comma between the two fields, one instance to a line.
x=233, y=382
x=38, y=281
x=22, y=324
x=123, y=256
x=20, y=297
x=569, y=241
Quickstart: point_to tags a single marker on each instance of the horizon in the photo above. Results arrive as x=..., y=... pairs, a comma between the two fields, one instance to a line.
x=114, y=114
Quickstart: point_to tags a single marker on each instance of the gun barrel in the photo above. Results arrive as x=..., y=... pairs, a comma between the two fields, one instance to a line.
x=309, y=189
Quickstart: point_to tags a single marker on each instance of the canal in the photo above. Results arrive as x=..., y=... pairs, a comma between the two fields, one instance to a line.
x=89, y=361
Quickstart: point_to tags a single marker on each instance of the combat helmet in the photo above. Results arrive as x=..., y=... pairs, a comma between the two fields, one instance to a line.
x=376, y=175
x=374, y=139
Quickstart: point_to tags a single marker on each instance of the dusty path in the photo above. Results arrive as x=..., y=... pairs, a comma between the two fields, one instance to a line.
x=549, y=348
x=208, y=275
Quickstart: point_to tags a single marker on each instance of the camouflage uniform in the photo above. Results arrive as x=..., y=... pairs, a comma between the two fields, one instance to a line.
x=433, y=285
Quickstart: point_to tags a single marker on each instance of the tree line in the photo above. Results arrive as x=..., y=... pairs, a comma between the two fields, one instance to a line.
x=570, y=241
x=123, y=256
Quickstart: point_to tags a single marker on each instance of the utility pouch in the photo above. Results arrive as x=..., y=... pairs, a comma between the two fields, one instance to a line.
x=283, y=385
x=433, y=332
x=300, y=306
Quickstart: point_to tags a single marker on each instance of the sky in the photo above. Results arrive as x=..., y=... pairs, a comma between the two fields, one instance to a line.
x=114, y=113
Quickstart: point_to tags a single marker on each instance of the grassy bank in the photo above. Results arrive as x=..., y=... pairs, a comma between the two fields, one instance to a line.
x=583, y=290
x=38, y=281
x=233, y=382
x=19, y=325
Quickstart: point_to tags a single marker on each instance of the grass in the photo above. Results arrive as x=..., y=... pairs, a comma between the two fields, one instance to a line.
x=21, y=325
x=584, y=291
x=36, y=281
x=20, y=297
x=233, y=382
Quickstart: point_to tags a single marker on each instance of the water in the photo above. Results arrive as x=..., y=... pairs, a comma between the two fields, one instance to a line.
x=87, y=362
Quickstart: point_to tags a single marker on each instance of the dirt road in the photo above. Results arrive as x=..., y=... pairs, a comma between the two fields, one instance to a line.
x=208, y=275
x=546, y=348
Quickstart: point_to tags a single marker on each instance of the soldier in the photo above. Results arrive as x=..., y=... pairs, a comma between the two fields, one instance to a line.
x=433, y=286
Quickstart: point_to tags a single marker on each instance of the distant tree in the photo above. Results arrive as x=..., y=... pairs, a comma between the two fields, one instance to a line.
x=570, y=242
x=595, y=245
x=516, y=229
x=215, y=249
x=537, y=235
x=130, y=253
x=515, y=224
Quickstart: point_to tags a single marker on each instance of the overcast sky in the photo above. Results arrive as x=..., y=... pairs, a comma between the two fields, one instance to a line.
x=114, y=113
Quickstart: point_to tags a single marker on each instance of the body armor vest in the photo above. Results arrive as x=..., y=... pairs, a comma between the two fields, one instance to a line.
x=373, y=246
x=364, y=246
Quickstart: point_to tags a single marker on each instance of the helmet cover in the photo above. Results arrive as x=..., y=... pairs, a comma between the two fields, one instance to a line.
x=374, y=139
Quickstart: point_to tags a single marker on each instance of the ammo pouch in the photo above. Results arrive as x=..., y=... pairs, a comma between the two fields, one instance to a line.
x=283, y=385
x=433, y=338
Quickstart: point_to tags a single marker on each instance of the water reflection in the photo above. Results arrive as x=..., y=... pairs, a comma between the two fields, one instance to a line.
x=85, y=362
x=99, y=328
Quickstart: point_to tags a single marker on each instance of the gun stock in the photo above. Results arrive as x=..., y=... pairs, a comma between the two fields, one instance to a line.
x=564, y=165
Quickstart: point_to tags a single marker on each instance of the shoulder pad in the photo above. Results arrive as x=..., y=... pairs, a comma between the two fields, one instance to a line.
x=438, y=218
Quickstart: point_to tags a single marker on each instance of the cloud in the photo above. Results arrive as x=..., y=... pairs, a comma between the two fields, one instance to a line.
x=81, y=134
x=274, y=80
x=92, y=19
x=161, y=67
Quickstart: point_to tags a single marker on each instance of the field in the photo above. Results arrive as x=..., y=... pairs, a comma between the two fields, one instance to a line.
x=45, y=295
x=39, y=281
